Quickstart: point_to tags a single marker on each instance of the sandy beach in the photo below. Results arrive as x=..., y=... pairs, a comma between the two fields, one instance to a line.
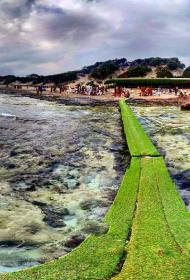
x=164, y=99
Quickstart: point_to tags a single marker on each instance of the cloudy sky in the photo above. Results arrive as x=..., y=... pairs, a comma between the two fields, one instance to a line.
x=48, y=36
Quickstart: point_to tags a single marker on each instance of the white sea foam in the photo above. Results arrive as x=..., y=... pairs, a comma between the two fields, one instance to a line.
x=6, y=115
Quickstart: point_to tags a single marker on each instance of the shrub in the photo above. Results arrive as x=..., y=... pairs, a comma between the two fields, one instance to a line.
x=155, y=83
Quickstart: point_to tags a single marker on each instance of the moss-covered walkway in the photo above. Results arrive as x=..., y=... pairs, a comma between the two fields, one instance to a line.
x=149, y=226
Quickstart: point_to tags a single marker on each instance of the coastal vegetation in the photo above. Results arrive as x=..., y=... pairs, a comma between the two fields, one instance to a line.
x=186, y=73
x=136, y=71
x=160, y=82
x=108, y=69
x=98, y=66
x=163, y=72
x=104, y=70
x=172, y=63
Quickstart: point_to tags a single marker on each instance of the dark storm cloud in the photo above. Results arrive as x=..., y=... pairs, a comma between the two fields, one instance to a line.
x=53, y=36
x=61, y=24
x=16, y=9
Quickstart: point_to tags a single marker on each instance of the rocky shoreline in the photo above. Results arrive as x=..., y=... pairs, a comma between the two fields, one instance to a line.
x=60, y=169
x=156, y=102
x=95, y=101
x=77, y=101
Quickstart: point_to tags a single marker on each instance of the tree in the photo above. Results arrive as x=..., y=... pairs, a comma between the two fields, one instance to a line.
x=33, y=76
x=186, y=73
x=174, y=64
x=10, y=79
x=163, y=72
x=104, y=70
x=138, y=71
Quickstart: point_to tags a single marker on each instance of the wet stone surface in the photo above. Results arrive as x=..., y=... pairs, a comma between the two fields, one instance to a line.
x=60, y=168
x=169, y=128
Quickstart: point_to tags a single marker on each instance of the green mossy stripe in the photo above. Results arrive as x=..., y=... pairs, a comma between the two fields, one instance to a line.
x=152, y=252
x=144, y=82
x=177, y=215
x=98, y=256
x=138, y=141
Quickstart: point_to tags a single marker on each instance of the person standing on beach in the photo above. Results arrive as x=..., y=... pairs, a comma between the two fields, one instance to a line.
x=143, y=91
x=176, y=90
x=40, y=89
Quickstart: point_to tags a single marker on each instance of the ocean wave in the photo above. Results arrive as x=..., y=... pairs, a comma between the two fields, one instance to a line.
x=6, y=115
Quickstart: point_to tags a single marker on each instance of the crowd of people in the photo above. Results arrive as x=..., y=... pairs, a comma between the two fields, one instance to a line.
x=91, y=90
x=121, y=91
x=145, y=91
x=94, y=90
x=149, y=91
x=117, y=91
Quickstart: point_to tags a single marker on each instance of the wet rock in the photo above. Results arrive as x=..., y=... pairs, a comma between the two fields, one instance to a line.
x=55, y=255
x=71, y=183
x=33, y=227
x=186, y=174
x=111, y=194
x=74, y=241
x=13, y=153
x=98, y=142
x=11, y=243
x=94, y=227
x=185, y=107
x=116, y=147
x=9, y=165
x=91, y=204
x=101, y=169
x=101, y=212
x=49, y=219
x=75, y=173
x=161, y=150
x=176, y=131
x=183, y=179
x=87, y=179
x=53, y=216
x=186, y=201
x=54, y=164
x=23, y=186
x=174, y=172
